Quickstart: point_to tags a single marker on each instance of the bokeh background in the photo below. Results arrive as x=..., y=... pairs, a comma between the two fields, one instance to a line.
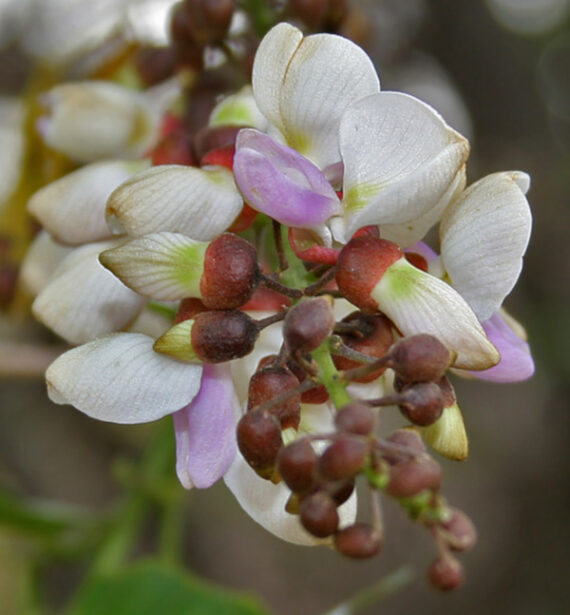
x=499, y=71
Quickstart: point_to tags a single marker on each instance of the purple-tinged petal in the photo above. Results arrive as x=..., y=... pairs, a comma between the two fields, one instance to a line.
x=516, y=362
x=279, y=182
x=205, y=430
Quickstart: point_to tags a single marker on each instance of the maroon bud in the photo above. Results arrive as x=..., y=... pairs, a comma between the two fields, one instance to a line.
x=356, y=418
x=154, y=64
x=317, y=395
x=361, y=265
x=296, y=464
x=358, y=541
x=259, y=440
x=373, y=337
x=319, y=14
x=446, y=573
x=211, y=138
x=319, y=514
x=343, y=458
x=209, y=20
x=342, y=491
x=174, y=148
x=447, y=391
x=220, y=336
x=412, y=477
x=271, y=382
x=188, y=308
x=188, y=54
x=420, y=358
x=308, y=324
x=459, y=531
x=422, y=403
x=231, y=273
x=410, y=441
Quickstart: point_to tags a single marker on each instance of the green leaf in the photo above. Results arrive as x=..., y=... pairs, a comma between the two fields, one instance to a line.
x=149, y=588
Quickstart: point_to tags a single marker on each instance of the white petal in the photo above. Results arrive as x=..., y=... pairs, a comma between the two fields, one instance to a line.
x=417, y=302
x=163, y=266
x=484, y=235
x=447, y=435
x=201, y=203
x=400, y=158
x=72, y=208
x=239, y=109
x=270, y=66
x=409, y=233
x=42, y=258
x=119, y=378
x=304, y=85
x=84, y=300
x=92, y=120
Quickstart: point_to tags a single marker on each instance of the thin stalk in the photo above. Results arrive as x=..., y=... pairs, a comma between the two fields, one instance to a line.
x=280, y=288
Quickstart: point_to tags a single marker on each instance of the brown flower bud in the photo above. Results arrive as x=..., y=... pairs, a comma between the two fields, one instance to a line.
x=259, y=440
x=446, y=573
x=420, y=358
x=319, y=514
x=422, y=403
x=231, y=273
x=308, y=324
x=343, y=458
x=409, y=478
x=270, y=382
x=358, y=541
x=459, y=531
x=356, y=418
x=296, y=464
x=220, y=336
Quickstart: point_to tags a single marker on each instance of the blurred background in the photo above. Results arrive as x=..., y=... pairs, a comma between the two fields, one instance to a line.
x=498, y=71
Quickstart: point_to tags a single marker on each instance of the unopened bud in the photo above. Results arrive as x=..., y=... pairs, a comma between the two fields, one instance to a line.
x=220, y=336
x=308, y=324
x=296, y=464
x=446, y=573
x=459, y=531
x=341, y=491
x=259, y=440
x=412, y=477
x=356, y=418
x=420, y=358
x=360, y=267
x=344, y=458
x=270, y=382
x=188, y=308
x=319, y=514
x=209, y=20
x=373, y=336
x=358, y=541
x=231, y=273
x=422, y=403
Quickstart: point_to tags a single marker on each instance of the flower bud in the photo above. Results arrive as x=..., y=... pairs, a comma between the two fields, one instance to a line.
x=420, y=358
x=319, y=514
x=270, y=382
x=422, y=403
x=231, y=273
x=360, y=266
x=412, y=477
x=446, y=573
x=188, y=308
x=373, y=337
x=154, y=64
x=220, y=336
x=356, y=418
x=358, y=541
x=343, y=458
x=459, y=531
x=308, y=324
x=208, y=20
x=296, y=464
x=341, y=491
x=259, y=440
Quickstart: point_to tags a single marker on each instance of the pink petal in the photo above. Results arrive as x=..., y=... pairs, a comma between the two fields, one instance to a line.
x=516, y=362
x=279, y=182
x=205, y=430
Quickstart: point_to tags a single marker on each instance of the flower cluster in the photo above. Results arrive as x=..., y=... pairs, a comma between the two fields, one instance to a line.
x=284, y=240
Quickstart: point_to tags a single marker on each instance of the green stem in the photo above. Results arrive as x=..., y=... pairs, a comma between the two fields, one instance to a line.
x=328, y=374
